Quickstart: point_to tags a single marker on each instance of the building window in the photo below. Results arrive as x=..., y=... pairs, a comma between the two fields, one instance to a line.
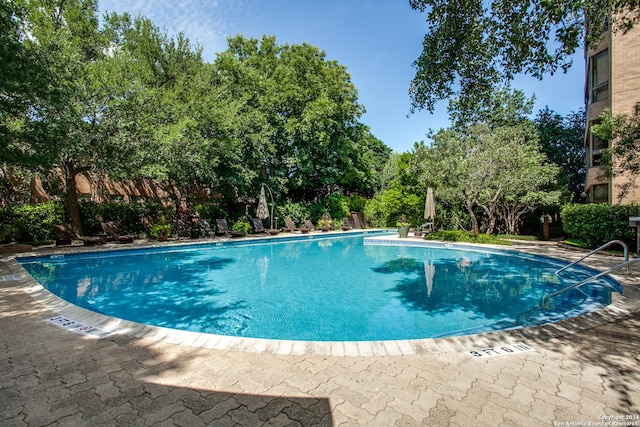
x=599, y=77
x=598, y=146
x=600, y=193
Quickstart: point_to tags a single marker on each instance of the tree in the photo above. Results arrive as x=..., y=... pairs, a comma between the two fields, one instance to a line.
x=169, y=92
x=306, y=111
x=505, y=106
x=63, y=36
x=562, y=140
x=499, y=171
x=471, y=45
x=398, y=195
x=23, y=78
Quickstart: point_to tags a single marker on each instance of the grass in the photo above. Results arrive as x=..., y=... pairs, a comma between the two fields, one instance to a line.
x=517, y=237
x=576, y=243
x=467, y=237
x=581, y=244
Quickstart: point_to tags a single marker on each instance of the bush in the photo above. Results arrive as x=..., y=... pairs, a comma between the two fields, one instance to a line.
x=211, y=212
x=297, y=211
x=128, y=216
x=241, y=226
x=386, y=208
x=357, y=203
x=338, y=206
x=599, y=223
x=35, y=223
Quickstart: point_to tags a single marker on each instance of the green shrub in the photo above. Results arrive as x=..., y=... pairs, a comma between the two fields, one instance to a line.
x=374, y=211
x=35, y=223
x=128, y=216
x=297, y=211
x=599, y=223
x=241, y=226
x=338, y=206
x=211, y=212
x=357, y=203
x=386, y=208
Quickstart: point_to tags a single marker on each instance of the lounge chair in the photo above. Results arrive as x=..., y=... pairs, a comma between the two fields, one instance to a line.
x=309, y=225
x=357, y=221
x=205, y=227
x=222, y=227
x=65, y=235
x=257, y=226
x=111, y=230
x=179, y=228
x=346, y=224
x=290, y=226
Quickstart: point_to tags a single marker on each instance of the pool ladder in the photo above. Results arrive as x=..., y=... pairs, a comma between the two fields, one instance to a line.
x=627, y=262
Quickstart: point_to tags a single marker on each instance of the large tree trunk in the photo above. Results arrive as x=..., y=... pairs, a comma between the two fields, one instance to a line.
x=474, y=220
x=71, y=205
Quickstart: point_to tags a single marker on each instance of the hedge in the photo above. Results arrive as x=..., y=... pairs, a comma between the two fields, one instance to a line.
x=597, y=224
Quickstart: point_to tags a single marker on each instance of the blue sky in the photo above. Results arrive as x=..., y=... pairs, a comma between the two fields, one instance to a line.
x=377, y=40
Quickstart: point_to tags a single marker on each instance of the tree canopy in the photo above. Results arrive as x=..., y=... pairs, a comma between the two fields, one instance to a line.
x=562, y=140
x=127, y=101
x=472, y=45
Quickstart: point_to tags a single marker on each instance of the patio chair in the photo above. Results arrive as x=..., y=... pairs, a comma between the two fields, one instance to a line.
x=309, y=225
x=290, y=226
x=179, y=228
x=205, y=227
x=65, y=234
x=222, y=227
x=257, y=226
x=357, y=223
x=111, y=230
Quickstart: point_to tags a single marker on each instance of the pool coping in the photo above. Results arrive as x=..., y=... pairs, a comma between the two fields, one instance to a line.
x=622, y=307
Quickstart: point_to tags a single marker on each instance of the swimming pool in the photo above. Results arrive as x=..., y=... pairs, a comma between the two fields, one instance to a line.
x=321, y=289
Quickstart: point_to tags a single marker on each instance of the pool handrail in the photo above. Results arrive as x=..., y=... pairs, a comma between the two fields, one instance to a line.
x=606, y=245
x=591, y=279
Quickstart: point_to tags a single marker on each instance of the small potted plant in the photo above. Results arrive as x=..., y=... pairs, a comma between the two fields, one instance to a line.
x=324, y=224
x=403, y=227
x=161, y=232
x=240, y=228
x=195, y=228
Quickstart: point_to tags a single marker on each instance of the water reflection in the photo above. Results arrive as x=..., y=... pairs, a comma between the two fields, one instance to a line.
x=164, y=285
x=478, y=284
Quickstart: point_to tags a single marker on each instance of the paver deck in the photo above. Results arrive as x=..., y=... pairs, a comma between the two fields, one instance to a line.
x=583, y=371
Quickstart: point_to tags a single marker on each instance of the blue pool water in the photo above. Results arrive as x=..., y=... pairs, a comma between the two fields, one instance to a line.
x=321, y=289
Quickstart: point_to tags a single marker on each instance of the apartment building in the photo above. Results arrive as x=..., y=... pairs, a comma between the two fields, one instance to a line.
x=612, y=81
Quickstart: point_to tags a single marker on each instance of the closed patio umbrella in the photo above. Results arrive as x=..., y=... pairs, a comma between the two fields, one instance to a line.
x=263, y=208
x=430, y=207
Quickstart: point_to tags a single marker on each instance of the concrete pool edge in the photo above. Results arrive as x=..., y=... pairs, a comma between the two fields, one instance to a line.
x=620, y=308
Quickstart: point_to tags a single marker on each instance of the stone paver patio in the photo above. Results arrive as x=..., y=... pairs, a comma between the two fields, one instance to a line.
x=585, y=370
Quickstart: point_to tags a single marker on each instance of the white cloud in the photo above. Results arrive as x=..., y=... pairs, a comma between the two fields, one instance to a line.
x=205, y=23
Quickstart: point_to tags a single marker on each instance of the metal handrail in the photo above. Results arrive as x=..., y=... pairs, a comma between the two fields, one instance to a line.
x=590, y=279
x=606, y=245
